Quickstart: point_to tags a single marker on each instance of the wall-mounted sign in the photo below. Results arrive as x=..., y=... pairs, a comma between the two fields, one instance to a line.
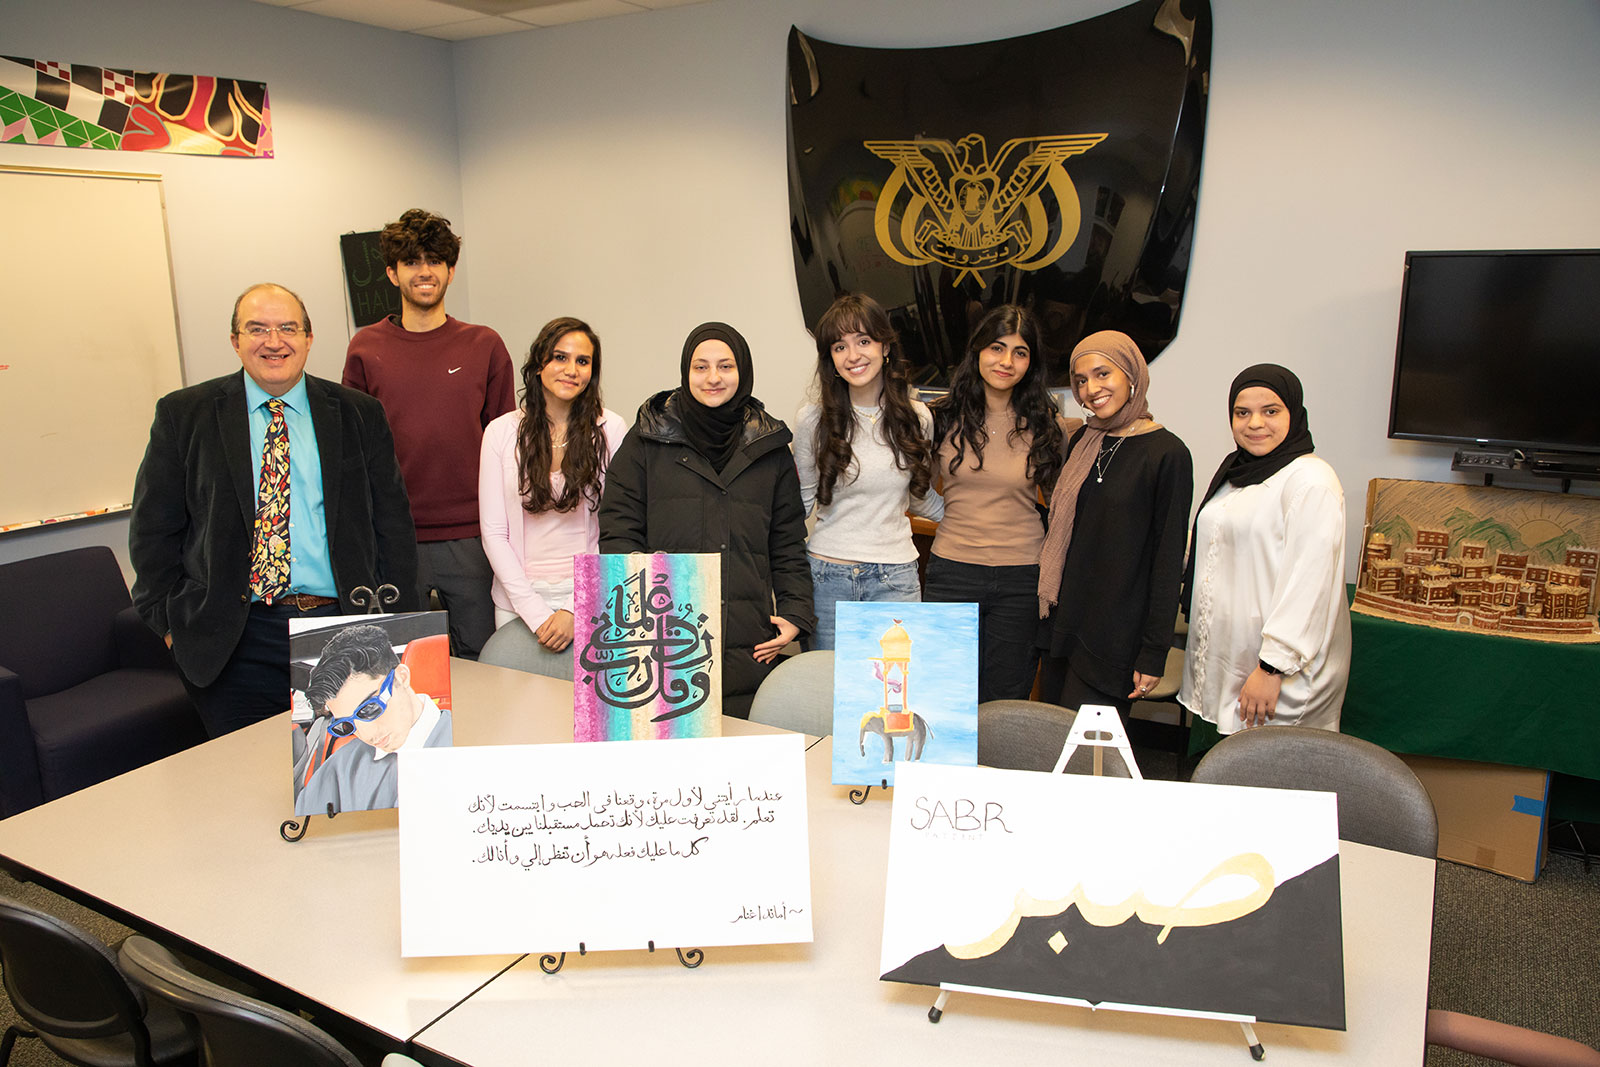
x=1059, y=170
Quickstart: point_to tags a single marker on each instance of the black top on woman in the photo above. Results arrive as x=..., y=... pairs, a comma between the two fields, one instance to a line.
x=1113, y=555
x=707, y=469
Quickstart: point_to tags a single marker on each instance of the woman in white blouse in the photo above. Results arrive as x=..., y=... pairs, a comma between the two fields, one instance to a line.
x=540, y=475
x=1269, y=627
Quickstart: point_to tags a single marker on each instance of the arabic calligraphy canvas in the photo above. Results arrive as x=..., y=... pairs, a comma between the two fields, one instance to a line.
x=646, y=646
x=686, y=843
x=905, y=687
x=1089, y=890
x=361, y=686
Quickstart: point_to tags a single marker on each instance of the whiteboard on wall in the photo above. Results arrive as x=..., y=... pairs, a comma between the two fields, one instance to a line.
x=89, y=342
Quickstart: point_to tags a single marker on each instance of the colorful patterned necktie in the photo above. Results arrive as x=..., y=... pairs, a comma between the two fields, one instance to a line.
x=269, y=553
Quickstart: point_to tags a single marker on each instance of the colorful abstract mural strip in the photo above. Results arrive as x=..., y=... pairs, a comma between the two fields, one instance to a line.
x=646, y=646
x=73, y=105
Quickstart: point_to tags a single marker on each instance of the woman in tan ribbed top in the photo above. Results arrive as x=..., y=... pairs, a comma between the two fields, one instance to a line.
x=999, y=441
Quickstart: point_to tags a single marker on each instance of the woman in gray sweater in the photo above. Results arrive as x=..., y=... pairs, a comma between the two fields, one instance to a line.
x=864, y=455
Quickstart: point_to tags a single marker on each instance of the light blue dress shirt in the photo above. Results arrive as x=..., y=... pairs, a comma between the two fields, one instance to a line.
x=310, y=569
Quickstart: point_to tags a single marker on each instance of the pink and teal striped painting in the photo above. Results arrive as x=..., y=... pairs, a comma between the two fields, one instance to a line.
x=646, y=646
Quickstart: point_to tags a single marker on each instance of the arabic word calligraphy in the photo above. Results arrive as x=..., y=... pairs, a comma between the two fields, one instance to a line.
x=595, y=826
x=1251, y=866
x=646, y=648
x=954, y=205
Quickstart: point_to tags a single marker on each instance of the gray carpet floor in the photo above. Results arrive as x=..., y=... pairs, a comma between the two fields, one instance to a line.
x=1503, y=949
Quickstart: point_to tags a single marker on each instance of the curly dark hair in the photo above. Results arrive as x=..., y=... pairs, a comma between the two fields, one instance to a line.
x=836, y=426
x=418, y=233
x=583, y=466
x=353, y=650
x=959, y=416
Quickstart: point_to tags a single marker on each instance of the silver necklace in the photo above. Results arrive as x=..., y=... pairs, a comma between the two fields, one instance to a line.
x=1103, y=459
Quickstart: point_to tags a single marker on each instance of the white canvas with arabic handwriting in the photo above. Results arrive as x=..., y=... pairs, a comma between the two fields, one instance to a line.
x=536, y=848
x=1167, y=896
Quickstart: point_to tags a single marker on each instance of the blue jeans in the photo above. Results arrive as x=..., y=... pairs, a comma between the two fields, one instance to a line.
x=868, y=582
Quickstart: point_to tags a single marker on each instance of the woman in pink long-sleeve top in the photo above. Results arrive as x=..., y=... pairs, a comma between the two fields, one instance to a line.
x=540, y=475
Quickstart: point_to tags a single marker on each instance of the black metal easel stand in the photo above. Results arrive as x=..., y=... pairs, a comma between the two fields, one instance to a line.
x=292, y=831
x=859, y=796
x=550, y=962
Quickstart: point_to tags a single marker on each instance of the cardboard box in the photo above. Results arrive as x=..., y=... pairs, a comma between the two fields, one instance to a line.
x=1490, y=816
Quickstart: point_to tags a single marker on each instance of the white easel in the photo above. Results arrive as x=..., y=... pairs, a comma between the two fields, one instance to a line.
x=1099, y=727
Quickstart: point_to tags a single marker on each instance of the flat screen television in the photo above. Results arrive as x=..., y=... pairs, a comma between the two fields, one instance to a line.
x=1500, y=349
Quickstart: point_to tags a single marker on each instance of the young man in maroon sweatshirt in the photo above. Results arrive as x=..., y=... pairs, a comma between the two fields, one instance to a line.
x=441, y=381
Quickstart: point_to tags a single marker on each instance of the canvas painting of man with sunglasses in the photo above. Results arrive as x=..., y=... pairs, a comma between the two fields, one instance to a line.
x=361, y=688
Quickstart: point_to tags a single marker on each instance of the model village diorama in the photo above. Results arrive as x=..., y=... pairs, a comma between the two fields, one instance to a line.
x=1470, y=558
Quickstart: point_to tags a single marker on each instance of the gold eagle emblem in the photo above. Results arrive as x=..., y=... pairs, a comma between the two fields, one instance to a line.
x=946, y=203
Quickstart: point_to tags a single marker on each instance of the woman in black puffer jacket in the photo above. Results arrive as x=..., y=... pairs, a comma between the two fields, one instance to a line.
x=706, y=469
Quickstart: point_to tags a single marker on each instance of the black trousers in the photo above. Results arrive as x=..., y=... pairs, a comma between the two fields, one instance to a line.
x=1008, y=620
x=1060, y=684
x=460, y=573
x=255, y=683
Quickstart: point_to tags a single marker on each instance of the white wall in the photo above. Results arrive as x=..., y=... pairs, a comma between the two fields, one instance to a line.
x=631, y=171
x=637, y=179
x=364, y=126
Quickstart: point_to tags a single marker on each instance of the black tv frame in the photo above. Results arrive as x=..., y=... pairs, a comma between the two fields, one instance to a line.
x=1488, y=455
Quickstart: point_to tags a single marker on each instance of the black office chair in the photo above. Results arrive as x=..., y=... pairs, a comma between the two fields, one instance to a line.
x=67, y=990
x=87, y=691
x=234, y=1030
x=1028, y=735
x=1381, y=802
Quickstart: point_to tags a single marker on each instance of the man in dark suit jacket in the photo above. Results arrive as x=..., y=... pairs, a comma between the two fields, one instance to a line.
x=196, y=502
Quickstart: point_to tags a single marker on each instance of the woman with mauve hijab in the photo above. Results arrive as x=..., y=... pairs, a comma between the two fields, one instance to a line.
x=1113, y=552
x=706, y=469
x=1269, y=629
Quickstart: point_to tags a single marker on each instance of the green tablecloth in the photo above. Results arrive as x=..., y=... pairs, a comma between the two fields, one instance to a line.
x=1474, y=696
x=1463, y=695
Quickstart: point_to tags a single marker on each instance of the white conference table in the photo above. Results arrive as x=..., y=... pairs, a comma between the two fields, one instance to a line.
x=822, y=1002
x=187, y=849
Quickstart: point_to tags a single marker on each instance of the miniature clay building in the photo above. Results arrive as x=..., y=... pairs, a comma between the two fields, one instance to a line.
x=1511, y=595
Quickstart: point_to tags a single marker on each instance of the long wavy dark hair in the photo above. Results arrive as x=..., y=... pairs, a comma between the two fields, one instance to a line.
x=583, y=466
x=836, y=426
x=959, y=416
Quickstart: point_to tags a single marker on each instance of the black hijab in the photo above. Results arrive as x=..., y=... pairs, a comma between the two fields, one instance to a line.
x=715, y=433
x=1240, y=467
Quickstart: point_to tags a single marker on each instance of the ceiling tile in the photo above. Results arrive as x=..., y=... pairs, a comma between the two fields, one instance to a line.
x=573, y=11
x=455, y=20
x=487, y=26
x=390, y=14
